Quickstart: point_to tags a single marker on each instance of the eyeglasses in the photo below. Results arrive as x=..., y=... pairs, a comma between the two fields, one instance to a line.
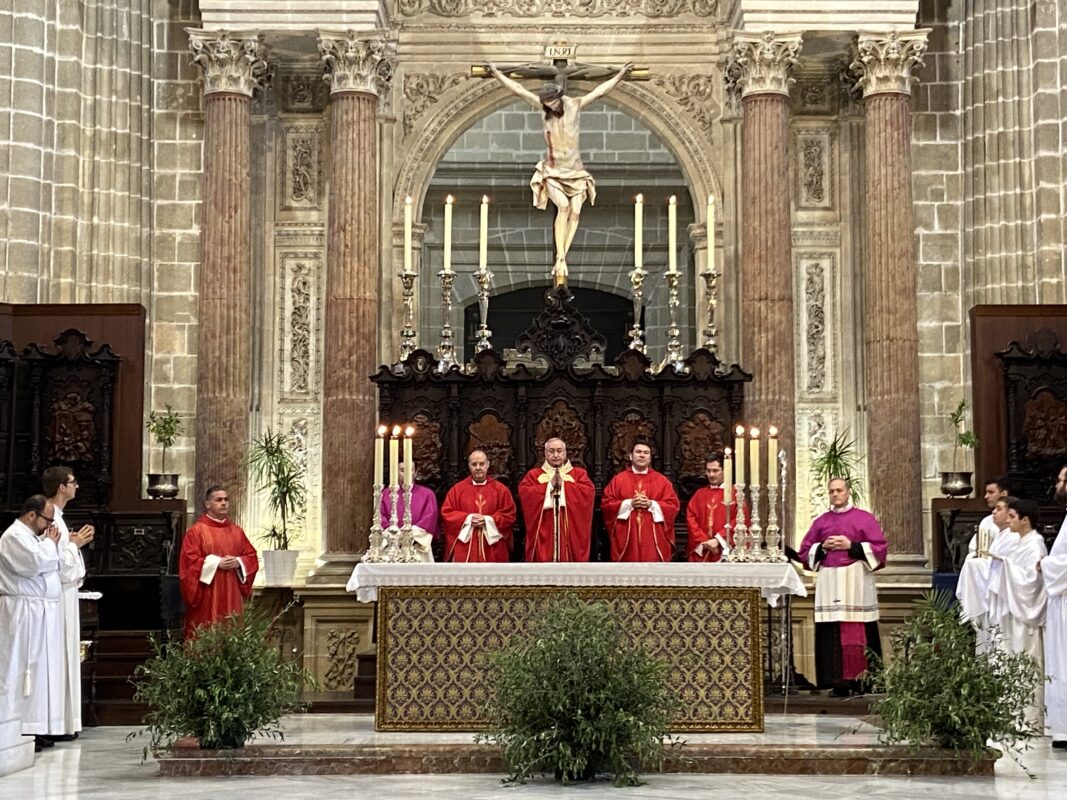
x=49, y=520
x=71, y=482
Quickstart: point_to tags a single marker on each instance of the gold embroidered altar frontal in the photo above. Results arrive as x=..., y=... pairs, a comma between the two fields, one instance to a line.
x=433, y=640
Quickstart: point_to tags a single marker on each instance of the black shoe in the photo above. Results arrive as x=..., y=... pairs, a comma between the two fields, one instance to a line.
x=840, y=691
x=64, y=737
x=43, y=741
x=1059, y=744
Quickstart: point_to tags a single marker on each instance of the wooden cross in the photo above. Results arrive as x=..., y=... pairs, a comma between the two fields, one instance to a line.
x=563, y=67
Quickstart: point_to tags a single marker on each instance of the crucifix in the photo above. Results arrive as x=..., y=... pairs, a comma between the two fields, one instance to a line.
x=561, y=177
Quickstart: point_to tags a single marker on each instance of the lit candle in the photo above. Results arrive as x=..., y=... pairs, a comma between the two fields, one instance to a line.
x=483, y=237
x=739, y=452
x=753, y=456
x=394, y=457
x=409, y=464
x=379, y=455
x=728, y=478
x=711, y=233
x=772, y=456
x=407, y=234
x=639, y=234
x=672, y=234
x=448, y=234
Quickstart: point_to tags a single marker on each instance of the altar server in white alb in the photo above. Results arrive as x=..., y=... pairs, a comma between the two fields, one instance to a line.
x=991, y=527
x=60, y=487
x=31, y=622
x=1017, y=597
x=972, y=589
x=1054, y=570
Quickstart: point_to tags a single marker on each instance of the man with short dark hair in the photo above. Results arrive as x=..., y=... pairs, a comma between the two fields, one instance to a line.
x=639, y=506
x=478, y=516
x=845, y=545
x=31, y=623
x=995, y=489
x=972, y=588
x=60, y=487
x=217, y=565
x=705, y=516
x=1054, y=571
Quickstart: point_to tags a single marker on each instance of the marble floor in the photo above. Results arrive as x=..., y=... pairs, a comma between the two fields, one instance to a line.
x=102, y=765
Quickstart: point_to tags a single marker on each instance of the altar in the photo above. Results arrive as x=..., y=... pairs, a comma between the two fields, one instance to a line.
x=436, y=624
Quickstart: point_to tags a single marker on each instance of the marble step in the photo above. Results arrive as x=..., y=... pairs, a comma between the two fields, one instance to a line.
x=16, y=750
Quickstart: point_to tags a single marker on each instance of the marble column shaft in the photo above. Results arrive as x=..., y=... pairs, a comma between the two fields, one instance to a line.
x=223, y=332
x=891, y=337
x=351, y=323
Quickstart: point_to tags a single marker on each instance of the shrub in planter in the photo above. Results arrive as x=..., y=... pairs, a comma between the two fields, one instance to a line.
x=575, y=698
x=221, y=688
x=939, y=692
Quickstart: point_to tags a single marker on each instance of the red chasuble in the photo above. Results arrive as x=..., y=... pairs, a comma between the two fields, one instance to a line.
x=637, y=535
x=492, y=500
x=225, y=591
x=575, y=514
x=704, y=518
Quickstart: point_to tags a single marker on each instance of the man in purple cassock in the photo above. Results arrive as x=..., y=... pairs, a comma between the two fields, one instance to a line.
x=845, y=545
x=424, y=519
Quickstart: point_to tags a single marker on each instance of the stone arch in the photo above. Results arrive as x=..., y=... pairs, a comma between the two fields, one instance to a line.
x=458, y=110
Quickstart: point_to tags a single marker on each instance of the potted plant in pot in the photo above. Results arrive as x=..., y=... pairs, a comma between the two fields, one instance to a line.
x=940, y=693
x=165, y=428
x=274, y=467
x=838, y=459
x=574, y=698
x=221, y=688
x=958, y=483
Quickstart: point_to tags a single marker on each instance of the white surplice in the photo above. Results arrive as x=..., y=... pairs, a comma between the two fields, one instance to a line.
x=31, y=632
x=972, y=588
x=1054, y=569
x=71, y=575
x=1017, y=603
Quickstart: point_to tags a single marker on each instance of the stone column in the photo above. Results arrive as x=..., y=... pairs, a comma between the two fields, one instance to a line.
x=891, y=338
x=232, y=66
x=760, y=68
x=359, y=69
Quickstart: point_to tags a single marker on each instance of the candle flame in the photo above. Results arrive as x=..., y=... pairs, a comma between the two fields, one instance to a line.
x=639, y=199
x=711, y=199
x=727, y=452
x=449, y=200
x=396, y=431
x=673, y=200
x=409, y=431
x=485, y=198
x=754, y=432
x=383, y=429
x=407, y=200
x=772, y=431
x=739, y=430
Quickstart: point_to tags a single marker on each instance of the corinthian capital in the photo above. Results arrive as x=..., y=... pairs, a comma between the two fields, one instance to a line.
x=357, y=62
x=762, y=63
x=229, y=62
x=883, y=61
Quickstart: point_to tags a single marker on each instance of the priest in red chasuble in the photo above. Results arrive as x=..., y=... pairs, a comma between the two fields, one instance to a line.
x=639, y=507
x=478, y=516
x=705, y=517
x=557, y=507
x=217, y=566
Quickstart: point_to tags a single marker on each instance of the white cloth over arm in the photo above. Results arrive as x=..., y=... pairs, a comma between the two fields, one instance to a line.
x=627, y=508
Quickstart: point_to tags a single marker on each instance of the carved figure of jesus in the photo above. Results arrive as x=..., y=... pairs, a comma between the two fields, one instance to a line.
x=561, y=177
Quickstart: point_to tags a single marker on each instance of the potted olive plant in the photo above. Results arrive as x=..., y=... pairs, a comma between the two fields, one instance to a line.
x=957, y=483
x=837, y=459
x=275, y=468
x=165, y=428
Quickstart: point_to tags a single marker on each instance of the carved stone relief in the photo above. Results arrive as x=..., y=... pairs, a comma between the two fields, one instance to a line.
x=814, y=151
x=694, y=93
x=559, y=8
x=300, y=182
x=298, y=325
x=303, y=92
x=816, y=277
x=815, y=94
x=342, y=645
x=422, y=90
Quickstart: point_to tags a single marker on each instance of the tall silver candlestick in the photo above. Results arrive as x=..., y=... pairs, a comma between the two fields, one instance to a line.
x=374, y=552
x=483, y=276
x=740, y=551
x=774, y=535
x=674, y=342
x=637, y=335
x=756, y=529
x=446, y=351
x=711, y=286
x=406, y=541
x=407, y=334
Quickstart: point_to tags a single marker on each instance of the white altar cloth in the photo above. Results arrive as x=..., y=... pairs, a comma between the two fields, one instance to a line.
x=772, y=579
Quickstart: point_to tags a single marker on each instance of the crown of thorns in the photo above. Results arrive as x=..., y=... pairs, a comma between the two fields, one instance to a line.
x=550, y=91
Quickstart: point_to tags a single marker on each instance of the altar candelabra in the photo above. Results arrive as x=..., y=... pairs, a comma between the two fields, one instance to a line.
x=741, y=540
x=711, y=284
x=775, y=551
x=483, y=276
x=755, y=530
x=446, y=351
x=407, y=334
x=674, y=342
x=391, y=536
x=375, y=553
x=405, y=547
x=637, y=335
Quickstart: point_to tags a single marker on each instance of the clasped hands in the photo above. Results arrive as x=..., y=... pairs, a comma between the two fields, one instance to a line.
x=83, y=535
x=230, y=562
x=837, y=542
x=641, y=501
